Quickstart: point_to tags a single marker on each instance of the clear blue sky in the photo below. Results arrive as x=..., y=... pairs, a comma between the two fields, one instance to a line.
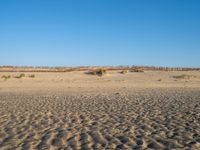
x=100, y=32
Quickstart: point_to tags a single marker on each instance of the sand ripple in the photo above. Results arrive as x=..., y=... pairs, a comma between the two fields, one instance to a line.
x=148, y=119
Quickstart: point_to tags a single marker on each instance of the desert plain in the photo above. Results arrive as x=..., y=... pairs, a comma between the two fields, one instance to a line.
x=75, y=110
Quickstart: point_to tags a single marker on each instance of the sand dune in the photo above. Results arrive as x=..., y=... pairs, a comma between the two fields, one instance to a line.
x=143, y=118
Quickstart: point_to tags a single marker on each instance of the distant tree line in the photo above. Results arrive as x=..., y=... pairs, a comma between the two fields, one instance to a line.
x=85, y=68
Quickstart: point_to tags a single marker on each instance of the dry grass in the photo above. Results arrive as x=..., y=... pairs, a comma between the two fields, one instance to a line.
x=184, y=76
x=5, y=77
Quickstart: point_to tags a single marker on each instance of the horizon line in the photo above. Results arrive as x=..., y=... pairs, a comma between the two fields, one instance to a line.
x=87, y=66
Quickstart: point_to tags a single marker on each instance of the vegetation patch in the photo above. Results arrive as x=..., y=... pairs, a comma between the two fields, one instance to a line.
x=124, y=72
x=99, y=72
x=184, y=76
x=31, y=76
x=136, y=70
x=6, y=77
x=20, y=76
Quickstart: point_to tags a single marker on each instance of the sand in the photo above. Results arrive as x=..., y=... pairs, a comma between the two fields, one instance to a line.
x=79, y=111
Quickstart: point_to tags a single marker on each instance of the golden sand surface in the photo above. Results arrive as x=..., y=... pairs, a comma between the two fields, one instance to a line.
x=74, y=110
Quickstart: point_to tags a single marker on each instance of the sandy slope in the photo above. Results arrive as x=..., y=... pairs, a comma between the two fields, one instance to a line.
x=73, y=81
x=78, y=111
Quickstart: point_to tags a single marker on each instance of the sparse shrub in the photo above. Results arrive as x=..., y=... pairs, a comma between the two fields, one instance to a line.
x=32, y=76
x=184, y=76
x=136, y=70
x=20, y=76
x=159, y=80
x=99, y=72
x=6, y=77
x=124, y=71
x=180, y=76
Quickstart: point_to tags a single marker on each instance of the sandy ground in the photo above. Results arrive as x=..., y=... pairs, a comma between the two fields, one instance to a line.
x=117, y=111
